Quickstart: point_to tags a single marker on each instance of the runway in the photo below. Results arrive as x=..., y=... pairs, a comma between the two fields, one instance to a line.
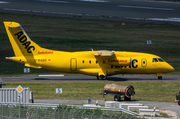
x=82, y=78
x=144, y=10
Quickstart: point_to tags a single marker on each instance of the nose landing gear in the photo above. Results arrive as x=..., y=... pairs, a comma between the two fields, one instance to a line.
x=159, y=75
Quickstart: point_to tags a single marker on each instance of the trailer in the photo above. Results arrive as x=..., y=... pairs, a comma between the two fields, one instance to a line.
x=119, y=91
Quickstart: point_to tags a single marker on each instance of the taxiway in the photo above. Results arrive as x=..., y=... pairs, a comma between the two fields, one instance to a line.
x=143, y=10
x=77, y=78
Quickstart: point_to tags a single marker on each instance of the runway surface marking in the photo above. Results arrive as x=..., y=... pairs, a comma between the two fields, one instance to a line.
x=165, y=19
x=167, y=2
x=141, y=7
x=80, y=14
x=50, y=75
x=94, y=0
x=3, y=2
x=54, y=1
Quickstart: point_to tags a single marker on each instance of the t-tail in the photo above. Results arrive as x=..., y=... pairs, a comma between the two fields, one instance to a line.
x=24, y=48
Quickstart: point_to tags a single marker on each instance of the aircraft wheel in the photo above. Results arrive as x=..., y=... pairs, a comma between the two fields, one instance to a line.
x=178, y=102
x=127, y=99
x=102, y=77
x=160, y=77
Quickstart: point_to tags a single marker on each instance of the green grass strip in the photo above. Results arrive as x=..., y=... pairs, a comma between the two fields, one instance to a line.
x=145, y=91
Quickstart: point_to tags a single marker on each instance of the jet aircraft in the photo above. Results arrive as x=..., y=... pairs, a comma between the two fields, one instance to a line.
x=95, y=63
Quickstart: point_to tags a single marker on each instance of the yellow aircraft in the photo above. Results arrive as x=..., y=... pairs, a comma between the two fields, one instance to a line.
x=96, y=63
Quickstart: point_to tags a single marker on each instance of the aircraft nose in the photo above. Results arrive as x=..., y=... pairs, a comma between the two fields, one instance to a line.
x=169, y=68
x=166, y=68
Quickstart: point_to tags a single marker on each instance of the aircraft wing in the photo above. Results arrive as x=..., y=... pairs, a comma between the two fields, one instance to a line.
x=103, y=54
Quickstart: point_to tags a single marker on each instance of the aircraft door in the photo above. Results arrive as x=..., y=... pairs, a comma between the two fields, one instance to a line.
x=143, y=62
x=73, y=64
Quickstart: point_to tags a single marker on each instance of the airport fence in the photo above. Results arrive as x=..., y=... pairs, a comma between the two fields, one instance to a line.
x=11, y=111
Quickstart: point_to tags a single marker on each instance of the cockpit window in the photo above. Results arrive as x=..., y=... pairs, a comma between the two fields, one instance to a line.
x=155, y=60
x=158, y=60
x=161, y=60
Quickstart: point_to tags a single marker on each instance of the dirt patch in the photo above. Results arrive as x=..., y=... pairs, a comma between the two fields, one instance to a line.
x=171, y=114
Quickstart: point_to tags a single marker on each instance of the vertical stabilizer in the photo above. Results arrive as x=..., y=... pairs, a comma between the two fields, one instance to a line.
x=20, y=41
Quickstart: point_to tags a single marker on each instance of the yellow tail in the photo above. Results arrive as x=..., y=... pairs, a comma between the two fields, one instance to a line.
x=20, y=41
x=24, y=48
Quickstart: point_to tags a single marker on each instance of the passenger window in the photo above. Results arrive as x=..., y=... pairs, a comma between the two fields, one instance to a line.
x=161, y=60
x=144, y=62
x=96, y=61
x=89, y=61
x=83, y=61
x=155, y=60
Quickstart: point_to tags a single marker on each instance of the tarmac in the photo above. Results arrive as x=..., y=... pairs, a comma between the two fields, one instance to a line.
x=143, y=11
x=84, y=78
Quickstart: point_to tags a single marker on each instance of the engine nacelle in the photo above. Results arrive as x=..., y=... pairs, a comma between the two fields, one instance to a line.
x=119, y=61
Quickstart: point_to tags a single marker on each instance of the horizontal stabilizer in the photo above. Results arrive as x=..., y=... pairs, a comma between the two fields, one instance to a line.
x=33, y=66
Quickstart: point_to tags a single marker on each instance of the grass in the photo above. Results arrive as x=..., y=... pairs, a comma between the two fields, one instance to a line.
x=164, y=115
x=145, y=91
x=71, y=34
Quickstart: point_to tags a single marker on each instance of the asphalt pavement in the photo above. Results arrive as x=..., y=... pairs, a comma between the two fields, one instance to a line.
x=78, y=78
x=143, y=10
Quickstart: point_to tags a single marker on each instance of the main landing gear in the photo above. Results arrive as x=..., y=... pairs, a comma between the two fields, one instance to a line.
x=101, y=77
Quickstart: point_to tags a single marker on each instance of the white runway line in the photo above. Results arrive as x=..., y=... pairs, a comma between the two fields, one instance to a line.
x=167, y=2
x=3, y=2
x=49, y=75
x=165, y=19
x=94, y=1
x=141, y=7
x=54, y=1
